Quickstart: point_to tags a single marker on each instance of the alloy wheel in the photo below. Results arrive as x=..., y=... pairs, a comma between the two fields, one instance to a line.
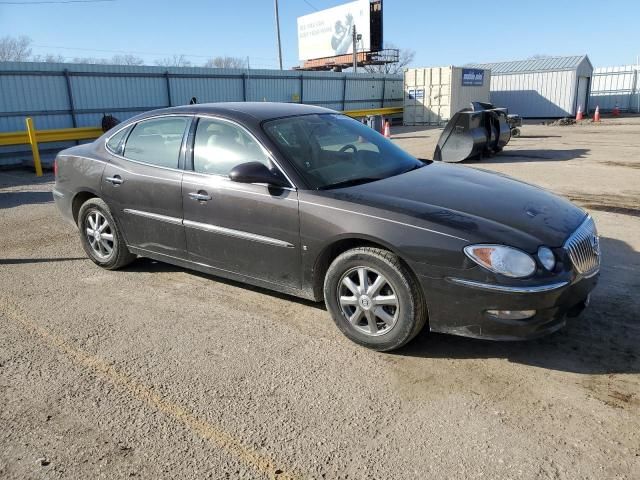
x=99, y=234
x=368, y=301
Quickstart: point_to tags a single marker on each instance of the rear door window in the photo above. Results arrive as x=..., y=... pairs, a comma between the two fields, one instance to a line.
x=157, y=141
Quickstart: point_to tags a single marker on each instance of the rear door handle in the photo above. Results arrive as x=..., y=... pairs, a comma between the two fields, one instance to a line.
x=201, y=196
x=116, y=180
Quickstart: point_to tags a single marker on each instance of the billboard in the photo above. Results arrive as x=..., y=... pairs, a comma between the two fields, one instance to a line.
x=329, y=32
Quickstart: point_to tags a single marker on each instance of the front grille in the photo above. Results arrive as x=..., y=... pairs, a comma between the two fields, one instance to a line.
x=583, y=247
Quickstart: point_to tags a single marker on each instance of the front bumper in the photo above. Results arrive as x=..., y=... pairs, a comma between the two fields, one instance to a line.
x=459, y=308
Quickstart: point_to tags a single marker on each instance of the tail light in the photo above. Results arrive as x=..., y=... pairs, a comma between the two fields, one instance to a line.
x=55, y=167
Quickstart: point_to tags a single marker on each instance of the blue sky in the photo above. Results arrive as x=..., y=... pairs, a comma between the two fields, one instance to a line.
x=440, y=32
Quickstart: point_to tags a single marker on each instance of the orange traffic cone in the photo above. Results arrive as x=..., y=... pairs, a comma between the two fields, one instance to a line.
x=616, y=111
x=596, y=116
x=579, y=114
x=387, y=129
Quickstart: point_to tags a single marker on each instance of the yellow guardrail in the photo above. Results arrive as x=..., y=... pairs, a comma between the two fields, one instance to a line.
x=373, y=111
x=32, y=137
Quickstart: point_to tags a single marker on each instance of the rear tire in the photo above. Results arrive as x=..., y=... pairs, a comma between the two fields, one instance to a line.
x=374, y=299
x=101, y=237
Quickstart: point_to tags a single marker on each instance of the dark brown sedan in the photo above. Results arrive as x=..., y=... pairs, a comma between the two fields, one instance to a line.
x=306, y=201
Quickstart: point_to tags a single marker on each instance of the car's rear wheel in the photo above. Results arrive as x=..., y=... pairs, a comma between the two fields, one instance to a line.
x=374, y=299
x=100, y=236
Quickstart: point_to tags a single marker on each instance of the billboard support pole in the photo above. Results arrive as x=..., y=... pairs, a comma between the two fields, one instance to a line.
x=275, y=2
x=355, y=50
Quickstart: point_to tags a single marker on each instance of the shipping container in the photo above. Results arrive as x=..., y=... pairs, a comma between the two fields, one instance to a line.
x=433, y=94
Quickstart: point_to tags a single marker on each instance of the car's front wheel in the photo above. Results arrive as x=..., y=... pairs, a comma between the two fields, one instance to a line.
x=374, y=299
x=100, y=236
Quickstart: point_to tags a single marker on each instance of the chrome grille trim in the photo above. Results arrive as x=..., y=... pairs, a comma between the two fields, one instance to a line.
x=583, y=248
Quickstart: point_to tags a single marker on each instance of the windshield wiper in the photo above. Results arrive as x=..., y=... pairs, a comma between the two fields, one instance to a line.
x=349, y=183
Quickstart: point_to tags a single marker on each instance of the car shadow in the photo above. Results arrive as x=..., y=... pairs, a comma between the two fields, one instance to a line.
x=10, y=196
x=148, y=265
x=23, y=176
x=605, y=339
x=15, y=199
x=533, y=155
x=23, y=261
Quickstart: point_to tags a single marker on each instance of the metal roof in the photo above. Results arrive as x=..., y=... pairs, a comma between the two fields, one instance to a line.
x=534, y=65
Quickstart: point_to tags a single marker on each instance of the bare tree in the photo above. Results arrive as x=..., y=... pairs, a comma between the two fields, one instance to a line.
x=174, y=61
x=48, y=58
x=91, y=60
x=126, y=60
x=225, y=62
x=15, y=49
x=405, y=58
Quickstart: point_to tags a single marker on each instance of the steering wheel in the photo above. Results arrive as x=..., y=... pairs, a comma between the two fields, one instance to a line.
x=347, y=147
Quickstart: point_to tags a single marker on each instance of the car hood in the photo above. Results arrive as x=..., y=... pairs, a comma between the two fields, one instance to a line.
x=477, y=205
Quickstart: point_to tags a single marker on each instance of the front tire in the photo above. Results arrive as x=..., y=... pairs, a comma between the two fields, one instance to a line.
x=100, y=236
x=374, y=299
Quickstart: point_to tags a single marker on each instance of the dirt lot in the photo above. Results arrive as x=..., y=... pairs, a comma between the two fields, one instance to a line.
x=156, y=372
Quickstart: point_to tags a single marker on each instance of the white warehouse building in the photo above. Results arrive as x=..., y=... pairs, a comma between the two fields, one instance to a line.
x=541, y=88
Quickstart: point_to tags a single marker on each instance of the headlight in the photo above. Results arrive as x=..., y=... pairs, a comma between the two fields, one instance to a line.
x=547, y=258
x=506, y=261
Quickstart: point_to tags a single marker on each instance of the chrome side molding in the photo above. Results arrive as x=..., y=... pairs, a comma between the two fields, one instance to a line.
x=508, y=288
x=207, y=227
x=155, y=216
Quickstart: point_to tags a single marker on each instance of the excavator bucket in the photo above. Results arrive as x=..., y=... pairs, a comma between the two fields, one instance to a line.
x=481, y=130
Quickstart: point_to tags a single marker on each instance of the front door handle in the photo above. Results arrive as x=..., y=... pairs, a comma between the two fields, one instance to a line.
x=201, y=196
x=116, y=180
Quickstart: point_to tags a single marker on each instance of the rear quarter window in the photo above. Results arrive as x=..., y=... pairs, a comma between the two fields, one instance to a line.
x=114, y=144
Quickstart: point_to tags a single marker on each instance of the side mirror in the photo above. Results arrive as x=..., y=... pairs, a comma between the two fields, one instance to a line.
x=256, y=172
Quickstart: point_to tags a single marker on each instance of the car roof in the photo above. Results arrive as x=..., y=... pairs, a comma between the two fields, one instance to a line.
x=260, y=111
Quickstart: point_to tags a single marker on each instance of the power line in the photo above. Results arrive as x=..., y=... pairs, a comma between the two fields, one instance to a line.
x=309, y=3
x=43, y=2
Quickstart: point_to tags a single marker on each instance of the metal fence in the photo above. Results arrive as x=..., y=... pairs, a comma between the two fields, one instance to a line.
x=73, y=95
x=611, y=86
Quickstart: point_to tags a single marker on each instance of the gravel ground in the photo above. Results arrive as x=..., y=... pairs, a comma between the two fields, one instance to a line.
x=157, y=372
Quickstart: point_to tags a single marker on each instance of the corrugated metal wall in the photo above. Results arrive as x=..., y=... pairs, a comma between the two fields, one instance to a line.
x=613, y=86
x=537, y=94
x=75, y=95
x=541, y=87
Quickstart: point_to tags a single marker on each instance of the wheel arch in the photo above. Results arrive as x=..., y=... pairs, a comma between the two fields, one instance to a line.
x=79, y=199
x=338, y=246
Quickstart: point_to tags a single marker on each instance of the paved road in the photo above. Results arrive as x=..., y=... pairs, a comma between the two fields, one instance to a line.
x=156, y=372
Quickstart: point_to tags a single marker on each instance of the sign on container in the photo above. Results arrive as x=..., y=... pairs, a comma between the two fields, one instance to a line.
x=472, y=77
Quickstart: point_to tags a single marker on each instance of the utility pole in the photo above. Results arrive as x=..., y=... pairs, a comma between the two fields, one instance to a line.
x=356, y=38
x=275, y=2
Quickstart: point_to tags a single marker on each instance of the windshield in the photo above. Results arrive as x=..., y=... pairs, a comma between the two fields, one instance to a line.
x=333, y=151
